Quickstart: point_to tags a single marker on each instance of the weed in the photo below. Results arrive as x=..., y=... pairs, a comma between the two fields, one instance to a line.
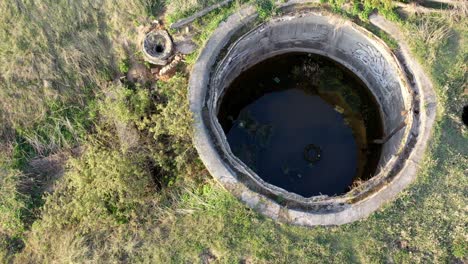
x=364, y=8
x=430, y=31
x=265, y=8
x=124, y=66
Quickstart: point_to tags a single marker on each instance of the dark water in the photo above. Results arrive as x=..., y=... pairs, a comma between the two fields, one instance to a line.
x=303, y=123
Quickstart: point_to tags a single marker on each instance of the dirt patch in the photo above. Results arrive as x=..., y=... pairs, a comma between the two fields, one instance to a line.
x=207, y=257
x=138, y=73
x=44, y=172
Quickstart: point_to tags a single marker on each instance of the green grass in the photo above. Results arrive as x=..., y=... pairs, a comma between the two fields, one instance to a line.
x=363, y=8
x=156, y=203
x=265, y=8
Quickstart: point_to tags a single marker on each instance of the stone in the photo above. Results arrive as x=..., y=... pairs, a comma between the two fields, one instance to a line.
x=185, y=47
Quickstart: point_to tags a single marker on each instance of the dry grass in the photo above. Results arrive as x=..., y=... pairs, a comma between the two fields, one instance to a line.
x=459, y=13
x=432, y=31
x=54, y=56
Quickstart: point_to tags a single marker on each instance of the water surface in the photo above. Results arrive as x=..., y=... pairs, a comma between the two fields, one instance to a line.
x=302, y=123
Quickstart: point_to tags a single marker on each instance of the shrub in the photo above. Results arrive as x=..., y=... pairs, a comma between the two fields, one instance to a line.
x=124, y=66
x=122, y=104
x=171, y=128
x=265, y=8
x=101, y=185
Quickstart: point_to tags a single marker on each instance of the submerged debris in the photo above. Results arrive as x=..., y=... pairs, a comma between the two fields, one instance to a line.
x=261, y=133
x=285, y=131
x=312, y=153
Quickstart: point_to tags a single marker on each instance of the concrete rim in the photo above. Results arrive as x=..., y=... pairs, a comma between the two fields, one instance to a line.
x=315, y=210
x=161, y=57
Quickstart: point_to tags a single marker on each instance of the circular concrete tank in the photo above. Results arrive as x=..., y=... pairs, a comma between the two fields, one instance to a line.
x=397, y=87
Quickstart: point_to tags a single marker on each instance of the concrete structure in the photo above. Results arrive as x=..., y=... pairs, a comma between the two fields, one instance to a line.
x=157, y=47
x=400, y=87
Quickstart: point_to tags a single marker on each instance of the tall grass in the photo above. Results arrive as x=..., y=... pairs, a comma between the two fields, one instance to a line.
x=13, y=210
x=54, y=57
x=433, y=31
x=459, y=13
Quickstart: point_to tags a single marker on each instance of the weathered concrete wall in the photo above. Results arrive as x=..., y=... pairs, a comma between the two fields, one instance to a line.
x=328, y=35
x=348, y=45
